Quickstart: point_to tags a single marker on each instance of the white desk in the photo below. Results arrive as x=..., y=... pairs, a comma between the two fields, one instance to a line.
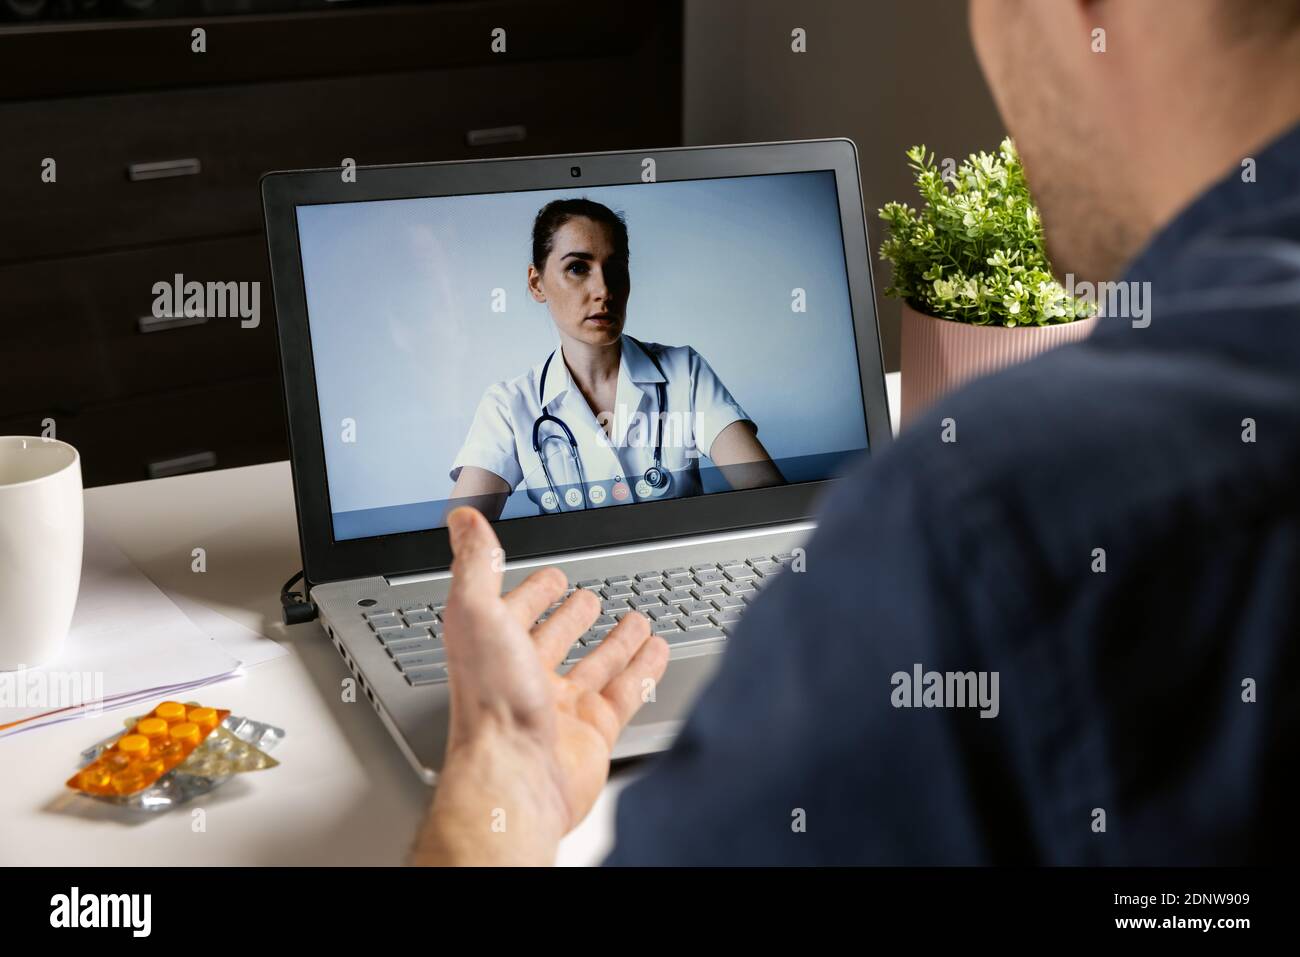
x=342, y=794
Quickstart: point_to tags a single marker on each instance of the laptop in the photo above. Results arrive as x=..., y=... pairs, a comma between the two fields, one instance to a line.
x=449, y=334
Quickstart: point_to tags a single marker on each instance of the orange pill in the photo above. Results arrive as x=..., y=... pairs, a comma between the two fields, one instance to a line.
x=115, y=761
x=125, y=782
x=96, y=776
x=152, y=728
x=170, y=711
x=187, y=732
x=205, y=718
x=134, y=745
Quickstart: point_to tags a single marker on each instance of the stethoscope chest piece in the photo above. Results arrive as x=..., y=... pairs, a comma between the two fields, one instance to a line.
x=655, y=483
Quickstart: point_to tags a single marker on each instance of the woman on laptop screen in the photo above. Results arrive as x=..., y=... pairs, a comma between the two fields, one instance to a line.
x=605, y=419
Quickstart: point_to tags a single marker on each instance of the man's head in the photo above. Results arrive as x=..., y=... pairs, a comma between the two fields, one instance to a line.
x=1124, y=110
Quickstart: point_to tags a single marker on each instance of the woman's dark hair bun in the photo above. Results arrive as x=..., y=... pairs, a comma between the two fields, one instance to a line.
x=559, y=211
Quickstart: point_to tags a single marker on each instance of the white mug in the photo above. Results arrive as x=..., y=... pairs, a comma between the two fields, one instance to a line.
x=41, y=531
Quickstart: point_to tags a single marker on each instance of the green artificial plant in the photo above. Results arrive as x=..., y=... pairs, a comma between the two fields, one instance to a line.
x=975, y=252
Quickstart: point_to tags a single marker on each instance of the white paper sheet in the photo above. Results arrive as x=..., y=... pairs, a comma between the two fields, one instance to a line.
x=128, y=642
x=233, y=638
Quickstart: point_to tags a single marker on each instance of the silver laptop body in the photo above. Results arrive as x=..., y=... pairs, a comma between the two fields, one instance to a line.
x=417, y=717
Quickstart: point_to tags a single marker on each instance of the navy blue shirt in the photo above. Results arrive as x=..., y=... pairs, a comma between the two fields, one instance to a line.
x=1147, y=713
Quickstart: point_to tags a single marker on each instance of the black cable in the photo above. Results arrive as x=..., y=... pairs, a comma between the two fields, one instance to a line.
x=295, y=608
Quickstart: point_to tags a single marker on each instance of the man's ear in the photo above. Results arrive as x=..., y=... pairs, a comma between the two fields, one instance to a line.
x=535, y=284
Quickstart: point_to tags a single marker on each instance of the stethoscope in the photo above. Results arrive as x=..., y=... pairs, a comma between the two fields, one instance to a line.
x=656, y=476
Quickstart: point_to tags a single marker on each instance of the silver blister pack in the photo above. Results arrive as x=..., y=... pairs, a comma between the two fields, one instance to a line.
x=237, y=745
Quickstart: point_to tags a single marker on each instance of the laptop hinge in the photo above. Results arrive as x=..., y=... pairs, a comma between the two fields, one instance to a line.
x=612, y=550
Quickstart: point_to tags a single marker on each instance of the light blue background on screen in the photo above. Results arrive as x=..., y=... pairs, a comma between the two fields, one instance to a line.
x=405, y=340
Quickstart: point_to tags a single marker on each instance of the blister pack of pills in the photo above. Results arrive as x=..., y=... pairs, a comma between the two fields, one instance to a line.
x=153, y=746
x=236, y=746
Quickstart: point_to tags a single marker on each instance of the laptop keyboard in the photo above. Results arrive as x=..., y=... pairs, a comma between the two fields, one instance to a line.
x=691, y=607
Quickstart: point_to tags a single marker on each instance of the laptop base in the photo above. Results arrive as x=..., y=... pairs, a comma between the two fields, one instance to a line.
x=417, y=717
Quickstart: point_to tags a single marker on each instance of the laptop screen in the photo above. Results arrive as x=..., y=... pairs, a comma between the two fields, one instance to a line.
x=543, y=352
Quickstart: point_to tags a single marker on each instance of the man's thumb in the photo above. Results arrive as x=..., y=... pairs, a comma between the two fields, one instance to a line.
x=459, y=524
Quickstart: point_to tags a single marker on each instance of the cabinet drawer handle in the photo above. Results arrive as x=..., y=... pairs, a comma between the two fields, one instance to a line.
x=156, y=324
x=493, y=135
x=161, y=468
x=164, y=170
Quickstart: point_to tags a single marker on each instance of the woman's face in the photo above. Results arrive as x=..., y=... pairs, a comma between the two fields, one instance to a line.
x=585, y=282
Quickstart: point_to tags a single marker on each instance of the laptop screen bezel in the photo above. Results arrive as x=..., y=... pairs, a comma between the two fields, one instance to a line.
x=326, y=559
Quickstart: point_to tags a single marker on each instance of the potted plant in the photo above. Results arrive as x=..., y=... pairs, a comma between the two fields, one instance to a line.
x=971, y=268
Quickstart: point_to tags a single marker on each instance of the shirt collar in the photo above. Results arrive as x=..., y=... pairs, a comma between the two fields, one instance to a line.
x=637, y=364
x=1219, y=276
x=1232, y=204
x=634, y=367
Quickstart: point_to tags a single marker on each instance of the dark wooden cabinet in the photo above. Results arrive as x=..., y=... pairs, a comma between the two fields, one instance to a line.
x=79, y=331
x=158, y=153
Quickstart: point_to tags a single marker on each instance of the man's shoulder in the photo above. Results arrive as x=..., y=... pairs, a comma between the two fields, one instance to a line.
x=1092, y=437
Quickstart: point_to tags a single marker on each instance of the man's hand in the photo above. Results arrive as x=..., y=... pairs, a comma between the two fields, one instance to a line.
x=528, y=749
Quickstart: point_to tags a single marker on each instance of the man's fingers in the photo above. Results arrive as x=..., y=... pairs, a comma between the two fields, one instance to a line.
x=556, y=635
x=599, y=713
x=478, y=560
x=535, y=594
x=612, y=655
x=635, y=685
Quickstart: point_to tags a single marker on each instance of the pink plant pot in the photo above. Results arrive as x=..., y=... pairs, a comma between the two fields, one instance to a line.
x=939, y=355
